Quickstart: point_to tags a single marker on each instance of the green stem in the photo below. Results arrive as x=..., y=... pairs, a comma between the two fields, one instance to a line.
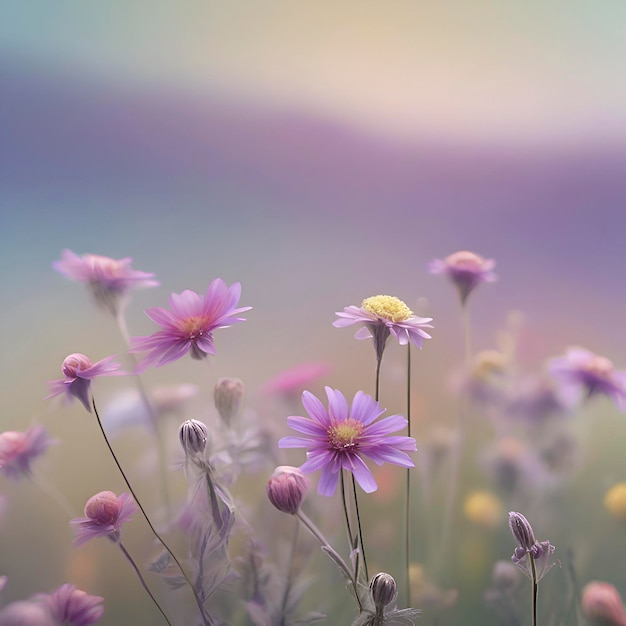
x=206, y=620
x=358, y=521
x=407, y=542
x=533, y=570
x=142, y=581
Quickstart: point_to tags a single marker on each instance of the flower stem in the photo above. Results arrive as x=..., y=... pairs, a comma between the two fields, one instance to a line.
x=121, y=324
x=142, y=581
x=205, y=618
x=345, y=512
x=379, y=360
x=533, y=571
x=358, y=521
x=407, y=538
x=336, y=557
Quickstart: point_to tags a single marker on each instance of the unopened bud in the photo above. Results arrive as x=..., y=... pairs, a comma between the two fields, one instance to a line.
x=228, y=397
x=74, y=363
x=383, y=589
x=193, y=436
x=103, y=508
x=522, y=530
x=286, y=488
x=602, y=604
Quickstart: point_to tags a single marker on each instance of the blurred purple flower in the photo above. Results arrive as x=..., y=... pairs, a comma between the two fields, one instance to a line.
x=72, y=607
x=594, y=374
x=190, y=324
x=296, y=378
x=384, y=316
x=339, y=437
x=104, y=515
x=19, y=449
x=27, y=613
x=108, y=279
x=79, y=372
x=466, y=270
x=602, y=604
x=541, y=552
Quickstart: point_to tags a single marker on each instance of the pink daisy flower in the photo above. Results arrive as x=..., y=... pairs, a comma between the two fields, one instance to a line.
x=339, y=438
x=466, y=270
x=19, y=449
x=79, y=372
x=189, y=326
x=104, y=515
x=383, y=316
x=583, y=370
x=109, y=280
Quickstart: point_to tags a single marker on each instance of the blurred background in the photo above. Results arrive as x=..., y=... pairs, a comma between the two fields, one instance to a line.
x=318, y=153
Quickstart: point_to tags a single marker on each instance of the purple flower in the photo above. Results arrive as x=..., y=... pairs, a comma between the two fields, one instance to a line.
x=26, y=613
x=108, y=279
x=79, y=372
x=541, y=552
x=582, y=369
x=339, y=437
x=189, y=326
x=466, y=270
x=382, y=316
x=19, y=449
x=72, y=607
x=104, y=515
x=286, y=488
x=296, y=378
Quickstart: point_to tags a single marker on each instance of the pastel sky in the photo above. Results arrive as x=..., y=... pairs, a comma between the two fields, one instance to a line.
x=479, y=71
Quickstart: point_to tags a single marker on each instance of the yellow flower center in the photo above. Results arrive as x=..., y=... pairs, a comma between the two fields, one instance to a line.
x=342, y=435
x=388, y=308
x=193, y=326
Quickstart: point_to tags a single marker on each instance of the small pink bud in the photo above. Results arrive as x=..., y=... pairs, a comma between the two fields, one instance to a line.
x=286, y=488
x=228, y=397
x=602, y=604
x=74, y=363
x=103, y=508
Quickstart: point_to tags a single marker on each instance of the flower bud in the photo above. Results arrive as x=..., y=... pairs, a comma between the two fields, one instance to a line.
x=286, y=488
x=193, y=436
x=383, y=589
x=75, y=362
x=602, y=604
x=103, y=508
x=228, y=397
x=522, y=530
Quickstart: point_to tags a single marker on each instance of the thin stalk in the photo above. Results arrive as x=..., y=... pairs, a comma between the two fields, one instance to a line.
x=533, y=571
x=331, y=551
x=358, y=521
x=142, y=581
x=292, y=555
x=345, y=512
x=215, y=507
x=379, y=360
x=407, y=537
x=207, y=621
x=121, y=324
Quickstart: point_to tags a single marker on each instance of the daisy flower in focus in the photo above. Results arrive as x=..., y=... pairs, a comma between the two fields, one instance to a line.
x=383, y=316
x=19, y=449
x=339, y=438
x=79, y=372
x=583, y=370
x=189, y=326
x=466, y=270
x=109, y=280
x=104, y=515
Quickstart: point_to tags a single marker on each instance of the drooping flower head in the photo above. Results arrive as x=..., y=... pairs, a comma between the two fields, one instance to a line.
x=584, y=370
x=383, y=316
x=286, y=488
x=189, y=326
x=79, y=371
x=109, y=280
x=104, y=515
x=602, y=604
x=339, y=438
x=466, y=270
x=70, y=606
x=19, y=449
x=541, y=552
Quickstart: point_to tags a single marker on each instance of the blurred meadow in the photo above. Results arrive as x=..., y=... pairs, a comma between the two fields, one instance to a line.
x=320, y=153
